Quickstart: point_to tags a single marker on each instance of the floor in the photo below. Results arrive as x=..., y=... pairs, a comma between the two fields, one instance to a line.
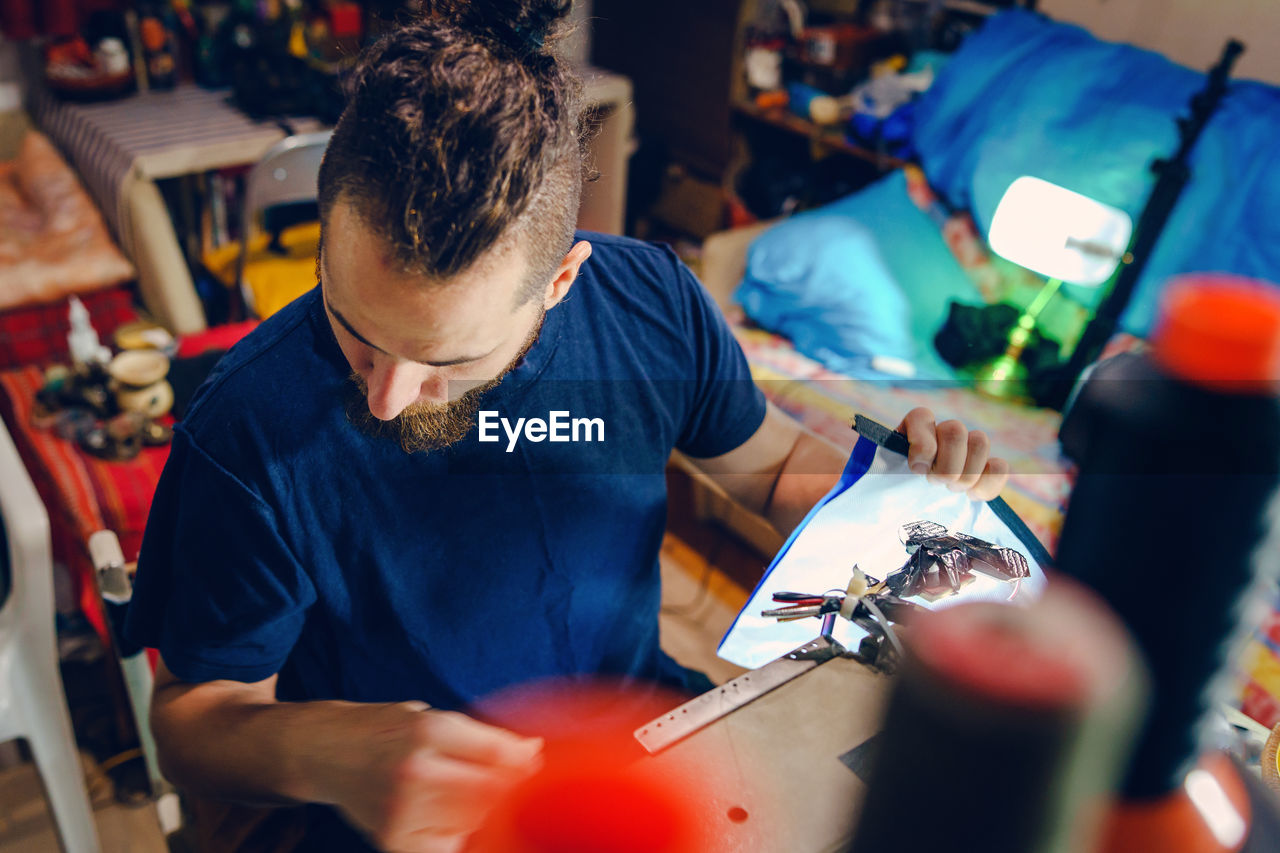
x=703, y=589
x=26, y=826
x=699, y=603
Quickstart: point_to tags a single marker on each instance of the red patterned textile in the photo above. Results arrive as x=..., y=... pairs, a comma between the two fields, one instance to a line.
x=24, y=19
x=37, y=334
x=218, y=337
x=82, y=493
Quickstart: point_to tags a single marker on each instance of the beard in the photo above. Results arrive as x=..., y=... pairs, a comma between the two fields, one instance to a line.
x=424, y=426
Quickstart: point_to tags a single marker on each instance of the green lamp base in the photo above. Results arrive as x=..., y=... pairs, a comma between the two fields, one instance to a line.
x=1002, y=378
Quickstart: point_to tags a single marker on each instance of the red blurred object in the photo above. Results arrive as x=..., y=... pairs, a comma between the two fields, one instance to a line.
x=738, y=214
x=24, y=19
x=585, y=801
x=597, y=791
x=217, y=337
x=776, y=100
x=346, y=19
x=1210, y=813
x=1216, y=330
x=72, y=50
x=996, y=661
x=18, y=19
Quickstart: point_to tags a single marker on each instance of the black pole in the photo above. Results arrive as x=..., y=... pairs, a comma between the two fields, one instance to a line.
x=1173, y=175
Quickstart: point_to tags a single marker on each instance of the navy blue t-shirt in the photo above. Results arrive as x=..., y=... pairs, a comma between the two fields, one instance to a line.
x=283, y=539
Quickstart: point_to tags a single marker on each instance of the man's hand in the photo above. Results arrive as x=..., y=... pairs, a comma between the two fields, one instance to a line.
x=414, y=780
x=783, y=469
x=953, y=456
x=429, y=778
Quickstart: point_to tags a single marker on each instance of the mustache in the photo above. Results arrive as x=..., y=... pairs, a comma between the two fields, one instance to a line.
x=422, y=426
x=427, y=426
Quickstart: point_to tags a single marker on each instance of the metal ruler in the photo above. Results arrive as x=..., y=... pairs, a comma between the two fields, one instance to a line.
x=697, y=713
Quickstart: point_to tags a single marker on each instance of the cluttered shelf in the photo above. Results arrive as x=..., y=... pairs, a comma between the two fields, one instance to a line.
x=828, y=139
x=976, y=7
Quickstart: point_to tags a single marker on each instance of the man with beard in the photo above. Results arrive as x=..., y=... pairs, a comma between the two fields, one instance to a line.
x=332, y=585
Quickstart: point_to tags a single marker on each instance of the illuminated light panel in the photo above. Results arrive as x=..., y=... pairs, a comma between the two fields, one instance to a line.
x=1059, y=233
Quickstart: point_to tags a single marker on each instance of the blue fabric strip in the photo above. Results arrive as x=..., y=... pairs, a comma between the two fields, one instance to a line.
x=859, y=461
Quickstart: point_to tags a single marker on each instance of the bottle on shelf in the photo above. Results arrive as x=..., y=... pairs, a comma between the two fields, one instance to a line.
x=159, y=47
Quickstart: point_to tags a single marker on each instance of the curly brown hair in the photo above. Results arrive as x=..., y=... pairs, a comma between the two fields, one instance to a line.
x=462, y=131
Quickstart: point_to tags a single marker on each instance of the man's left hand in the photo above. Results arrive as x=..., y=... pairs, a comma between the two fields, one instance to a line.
x=951, y=455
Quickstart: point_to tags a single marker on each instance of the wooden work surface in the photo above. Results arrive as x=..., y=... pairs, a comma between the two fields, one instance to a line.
x=772, y=770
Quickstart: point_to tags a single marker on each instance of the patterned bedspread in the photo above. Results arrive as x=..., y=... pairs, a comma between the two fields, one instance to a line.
x=826, y=402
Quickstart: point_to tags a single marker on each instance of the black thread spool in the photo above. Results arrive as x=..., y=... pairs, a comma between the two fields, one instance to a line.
x=1179, y=455
x=1007, y=724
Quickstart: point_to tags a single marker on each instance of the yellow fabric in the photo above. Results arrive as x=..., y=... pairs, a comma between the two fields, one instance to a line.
x=1262, y=666
x=276, y=280
x=273, y=279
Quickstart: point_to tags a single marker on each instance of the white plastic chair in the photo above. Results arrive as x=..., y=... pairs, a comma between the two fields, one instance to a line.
x=287, y=174
x=116, y=588
x=32, y=704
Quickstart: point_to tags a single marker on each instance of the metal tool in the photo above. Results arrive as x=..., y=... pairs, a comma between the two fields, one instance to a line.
x=699, y=712
x=829, y=604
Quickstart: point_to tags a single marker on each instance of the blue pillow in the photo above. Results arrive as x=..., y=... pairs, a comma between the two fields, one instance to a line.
x=819, y=281
x=868, y=275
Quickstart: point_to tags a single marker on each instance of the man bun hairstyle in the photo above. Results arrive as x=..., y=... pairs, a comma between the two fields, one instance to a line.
x=525, y=27
x=462, y=131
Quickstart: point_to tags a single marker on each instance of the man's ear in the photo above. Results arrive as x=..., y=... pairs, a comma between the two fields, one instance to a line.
x=567, y=273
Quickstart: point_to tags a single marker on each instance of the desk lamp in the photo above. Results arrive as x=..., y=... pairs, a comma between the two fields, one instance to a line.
x=1061, y=235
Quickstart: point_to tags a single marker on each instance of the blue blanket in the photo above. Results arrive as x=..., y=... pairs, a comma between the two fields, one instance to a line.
x=1029, y=96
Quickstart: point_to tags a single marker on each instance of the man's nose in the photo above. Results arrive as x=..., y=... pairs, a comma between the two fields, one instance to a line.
x=395, y=384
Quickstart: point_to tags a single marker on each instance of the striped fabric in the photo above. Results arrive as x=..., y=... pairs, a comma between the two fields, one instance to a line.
x=152, y=135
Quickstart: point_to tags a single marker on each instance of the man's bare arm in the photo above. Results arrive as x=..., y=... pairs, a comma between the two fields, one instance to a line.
x=784, y=469
x=412, y=779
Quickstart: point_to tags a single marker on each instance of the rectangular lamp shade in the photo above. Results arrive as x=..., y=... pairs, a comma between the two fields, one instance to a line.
x=1059, y=233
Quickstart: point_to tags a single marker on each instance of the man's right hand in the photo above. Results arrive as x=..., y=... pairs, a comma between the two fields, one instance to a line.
x=422, y=780
x=413, y=780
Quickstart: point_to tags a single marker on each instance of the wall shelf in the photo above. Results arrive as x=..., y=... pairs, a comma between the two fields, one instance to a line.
x=975, y=7
x=824, y=139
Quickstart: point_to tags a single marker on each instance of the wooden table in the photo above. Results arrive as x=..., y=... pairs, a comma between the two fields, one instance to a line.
x=122, y=148
x=772, y=770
